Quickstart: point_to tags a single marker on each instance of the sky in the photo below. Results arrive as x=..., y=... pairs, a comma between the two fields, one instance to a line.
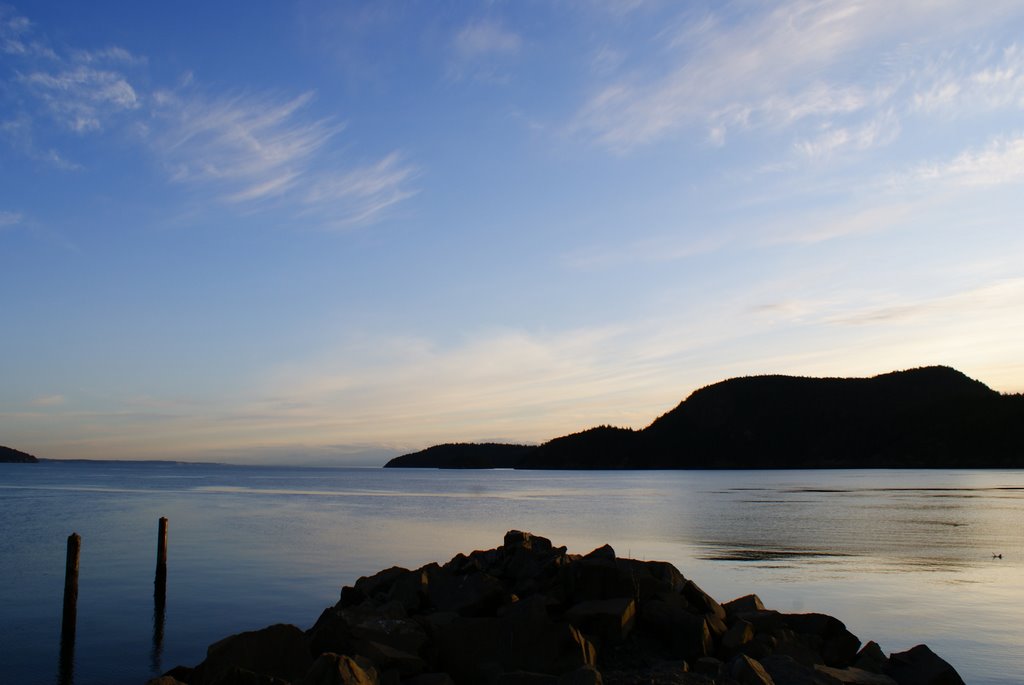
x=333, y=232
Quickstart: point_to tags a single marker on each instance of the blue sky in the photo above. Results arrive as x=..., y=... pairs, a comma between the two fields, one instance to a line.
x=329, y=232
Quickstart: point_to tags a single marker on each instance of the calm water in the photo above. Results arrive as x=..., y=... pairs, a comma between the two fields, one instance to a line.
x=902, y=557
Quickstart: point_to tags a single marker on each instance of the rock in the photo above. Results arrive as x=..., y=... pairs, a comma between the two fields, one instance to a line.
x=785, y=670
x=527, y=612
x=278, y=651
x=685, y=634
x=827, y=675
x=334, y=669
x=473, y=594
x=838, y=646
x=871, y=658
x=430, y=679
x=471, y=648
x=527, y=541
x=164, y=680
x=743, y=605
x=749, y=671
x=701, y=601
x=584, y=675
x=921, y=666
x=525, y=678
x=708, y=665
x=380, y=583
x=738, y=635
x=608, y=620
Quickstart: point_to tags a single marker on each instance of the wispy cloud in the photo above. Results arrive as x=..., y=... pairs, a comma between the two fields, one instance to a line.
x=999, y=163
x=787, y=65
x=256, y=149
x=48, y=401
x=9, y=219
x=252, y=150
x=480, y=49
x=485, y=37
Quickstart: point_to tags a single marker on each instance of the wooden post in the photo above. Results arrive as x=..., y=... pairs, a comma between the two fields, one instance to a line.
x=159, y=596
x=161, y=552
x=67, y=629
x=71, y=581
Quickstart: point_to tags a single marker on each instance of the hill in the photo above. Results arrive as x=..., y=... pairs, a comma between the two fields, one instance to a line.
x=10, y=455
x=931, y=417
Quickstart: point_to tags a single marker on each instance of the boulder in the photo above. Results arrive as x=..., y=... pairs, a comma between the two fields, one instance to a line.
x=785, y=670
x=684, y=634
x=921, y=666
x=743, y=605
x=747, y=671
x=528, y=541
x=334, y=669
x=277, y=652
x=826, y=675
x=472, y=594
x=472, y=649
x=738, y=635
x=871, y=658
x=608, y=620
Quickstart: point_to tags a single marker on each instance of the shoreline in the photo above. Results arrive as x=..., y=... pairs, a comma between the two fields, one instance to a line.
x=529, y=612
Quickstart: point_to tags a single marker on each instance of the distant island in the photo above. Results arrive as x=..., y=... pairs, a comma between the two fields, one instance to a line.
x=10, y=455
x=930, y=417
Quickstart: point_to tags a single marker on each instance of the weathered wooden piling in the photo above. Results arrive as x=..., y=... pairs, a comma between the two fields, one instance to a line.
x=161, y=552
x=71, y=581
x=159, y=595
x=67, y=628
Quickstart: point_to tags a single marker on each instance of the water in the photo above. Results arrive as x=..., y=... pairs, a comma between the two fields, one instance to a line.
x=902, y=557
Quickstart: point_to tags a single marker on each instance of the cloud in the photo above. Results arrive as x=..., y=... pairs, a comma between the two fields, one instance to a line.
x=880, y=131
x=481, y=38
x=787, y=64
x=1000, y=162
x=8, y=219
x=253, y=150
x=256, y=149
x=48, y=401
x=480, y=48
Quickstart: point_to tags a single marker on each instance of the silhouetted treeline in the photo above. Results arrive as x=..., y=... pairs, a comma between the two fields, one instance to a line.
x=930, y=417
x=9, y=454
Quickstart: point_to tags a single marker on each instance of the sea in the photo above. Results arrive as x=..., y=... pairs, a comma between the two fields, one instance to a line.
x=902, y=557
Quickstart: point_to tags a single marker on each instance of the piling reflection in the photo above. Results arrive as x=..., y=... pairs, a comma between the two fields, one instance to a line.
x=159, y=618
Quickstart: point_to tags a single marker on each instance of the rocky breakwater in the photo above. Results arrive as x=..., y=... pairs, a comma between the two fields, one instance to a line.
x=529, y=613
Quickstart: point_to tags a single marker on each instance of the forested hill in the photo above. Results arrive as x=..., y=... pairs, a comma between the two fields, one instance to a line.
x=8, y=454
x=930, y=417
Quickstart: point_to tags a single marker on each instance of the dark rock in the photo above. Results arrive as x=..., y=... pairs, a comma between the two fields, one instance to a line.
x=164, y=680
x=534, y=543
x=472, y=594
x=684, y=633
x=702, y=601
x=838, y=645
x=785, y=670
x=743, y=605
x=827, y=675
x=525, y=678
x=277, y=652
x=921, y=666
x=584, y=675
x=708, y=665
x=871, y=658
x=738, y=635
x=608, y=620
x=749, y=671
x=334, y=669
x=430, y=679
x=472, y=648
x=380, y=583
